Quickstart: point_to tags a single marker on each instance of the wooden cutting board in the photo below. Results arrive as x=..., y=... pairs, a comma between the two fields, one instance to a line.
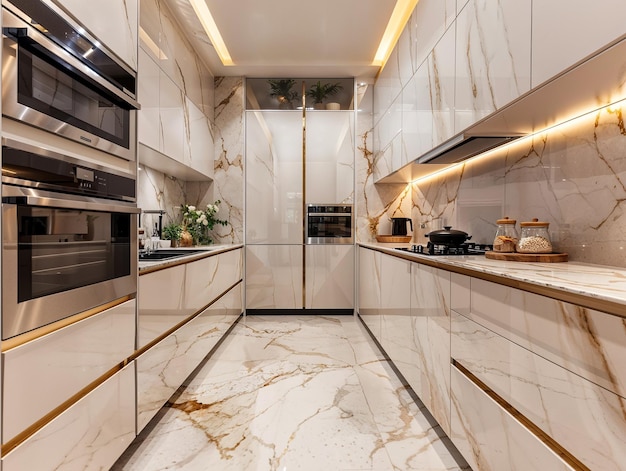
x=528, y=257
x=389, y=239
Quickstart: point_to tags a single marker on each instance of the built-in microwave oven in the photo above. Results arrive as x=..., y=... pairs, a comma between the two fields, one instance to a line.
x=329, y=224
x=69, y=237
x=57, y=77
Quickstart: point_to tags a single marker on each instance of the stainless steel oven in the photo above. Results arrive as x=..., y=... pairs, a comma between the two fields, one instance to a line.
x=69, y=237
x=329, y=224
x=56, y=77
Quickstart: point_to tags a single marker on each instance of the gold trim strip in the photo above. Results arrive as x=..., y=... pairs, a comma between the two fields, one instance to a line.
x=608, y=307
x=173, y=329
x=26, y=337
x=304, y=214
x=546, y=439
x=187, y=259
x=50, y=416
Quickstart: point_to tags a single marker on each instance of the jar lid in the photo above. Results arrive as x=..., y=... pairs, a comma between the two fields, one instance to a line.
x=506, y=220
x=534, y=223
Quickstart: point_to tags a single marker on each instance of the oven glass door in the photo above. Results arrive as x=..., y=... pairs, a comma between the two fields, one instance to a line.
x=48, y=87
x=60, y=249
x=332, y=226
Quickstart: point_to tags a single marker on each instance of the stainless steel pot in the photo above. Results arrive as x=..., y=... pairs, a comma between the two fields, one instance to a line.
x=448, y=236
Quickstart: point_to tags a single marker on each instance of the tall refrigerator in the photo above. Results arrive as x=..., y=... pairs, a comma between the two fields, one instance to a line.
x=294, y=159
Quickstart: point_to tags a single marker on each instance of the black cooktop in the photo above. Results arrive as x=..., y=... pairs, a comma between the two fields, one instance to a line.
x=468, y=248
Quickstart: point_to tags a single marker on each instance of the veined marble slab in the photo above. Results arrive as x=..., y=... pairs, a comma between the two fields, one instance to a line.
x=293, y=392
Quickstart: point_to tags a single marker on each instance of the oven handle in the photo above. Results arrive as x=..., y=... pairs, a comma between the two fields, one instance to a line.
x=65, y=56
x=329, y=214
x=30, y=197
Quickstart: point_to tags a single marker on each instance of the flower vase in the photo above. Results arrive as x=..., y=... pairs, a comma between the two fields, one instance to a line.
x=186, y=239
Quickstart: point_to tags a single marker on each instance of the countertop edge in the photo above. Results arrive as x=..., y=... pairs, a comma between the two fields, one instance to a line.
x=500, y=272
x=207, y=251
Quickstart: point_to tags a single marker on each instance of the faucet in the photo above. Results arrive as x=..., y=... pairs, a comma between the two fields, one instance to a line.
x=160, y=212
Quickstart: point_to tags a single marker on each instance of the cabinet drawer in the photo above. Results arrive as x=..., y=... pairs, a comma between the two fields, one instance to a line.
x=582, y=417
x=90, y=435
x=164, y=367
x=489, y=438
x=209, y=277
x=587, y=342
x=160, y=303
x=69, y=358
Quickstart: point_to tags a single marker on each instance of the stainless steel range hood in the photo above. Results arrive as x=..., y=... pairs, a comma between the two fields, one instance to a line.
x=597, y=81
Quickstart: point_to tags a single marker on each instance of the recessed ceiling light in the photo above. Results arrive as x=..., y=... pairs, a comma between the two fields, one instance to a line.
x=208, y=23
x=400, y=15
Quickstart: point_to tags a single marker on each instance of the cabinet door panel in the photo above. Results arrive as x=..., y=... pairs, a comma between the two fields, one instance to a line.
x=396, y=335
x=489, y=438
x=329, y=276
x=171, y=118
x=493, y=57
x=578, y=35
x=89, y=436
x=148, y=119
x=581, y=416
x=98, y=17
x=274, y=276
x=430, y=310
x=329, y=157
x=274, y=177
x=369, y=289
x=70, y=359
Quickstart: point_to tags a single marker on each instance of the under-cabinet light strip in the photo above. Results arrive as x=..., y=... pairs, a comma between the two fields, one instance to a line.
x=573, y=121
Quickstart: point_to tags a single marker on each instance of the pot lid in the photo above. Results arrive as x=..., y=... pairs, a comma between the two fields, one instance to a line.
x=447, y=230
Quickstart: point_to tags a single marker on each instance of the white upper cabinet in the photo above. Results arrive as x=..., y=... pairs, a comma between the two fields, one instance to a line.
x=567, y=31
x=330, y=157
x=113, y=22
x=274, y=177
x=492, y=57
x=175, y=93
x=148, y=95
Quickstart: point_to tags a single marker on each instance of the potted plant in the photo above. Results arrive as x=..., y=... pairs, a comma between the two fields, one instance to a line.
x=319, y=92
x=281, y=89
x=172, y=233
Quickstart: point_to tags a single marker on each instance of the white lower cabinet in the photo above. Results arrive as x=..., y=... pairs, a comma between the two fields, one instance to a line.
x=396, y=327
x=274, y=276
x=69, y=359
x=430, y=364
x=369, y=289
x=90, y=435
x=329, y=276
x=164, y=367
x=489, y=438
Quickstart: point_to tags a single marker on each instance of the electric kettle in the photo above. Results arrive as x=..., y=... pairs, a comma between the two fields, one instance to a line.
x=398, y=226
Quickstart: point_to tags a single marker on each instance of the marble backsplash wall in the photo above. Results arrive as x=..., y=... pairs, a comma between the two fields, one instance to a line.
x=229, y=161
x=159, y=191
x=573, y=176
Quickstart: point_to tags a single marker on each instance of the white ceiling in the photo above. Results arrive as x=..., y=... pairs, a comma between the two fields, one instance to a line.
x=291, y=38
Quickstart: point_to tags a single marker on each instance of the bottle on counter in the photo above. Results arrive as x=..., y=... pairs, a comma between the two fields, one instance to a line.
x=534, y=237
x=141, y=238
x=506, y=235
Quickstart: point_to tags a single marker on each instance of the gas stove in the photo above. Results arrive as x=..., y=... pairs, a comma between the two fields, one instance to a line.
x=468, y=248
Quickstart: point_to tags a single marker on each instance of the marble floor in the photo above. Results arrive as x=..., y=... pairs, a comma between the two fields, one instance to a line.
x=290, y=393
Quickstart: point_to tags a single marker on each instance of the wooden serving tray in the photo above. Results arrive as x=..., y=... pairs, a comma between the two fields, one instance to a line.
x=528, y=257
x=389, y=239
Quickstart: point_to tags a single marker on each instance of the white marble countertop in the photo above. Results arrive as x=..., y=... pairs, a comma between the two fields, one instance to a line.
x=602, y=283
x=204, y=251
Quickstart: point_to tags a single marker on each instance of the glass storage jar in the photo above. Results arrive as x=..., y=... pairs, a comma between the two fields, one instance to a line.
x=534, y=237
x=506, y=235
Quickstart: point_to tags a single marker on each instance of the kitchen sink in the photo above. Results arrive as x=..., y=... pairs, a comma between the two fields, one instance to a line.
x=166, y=254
